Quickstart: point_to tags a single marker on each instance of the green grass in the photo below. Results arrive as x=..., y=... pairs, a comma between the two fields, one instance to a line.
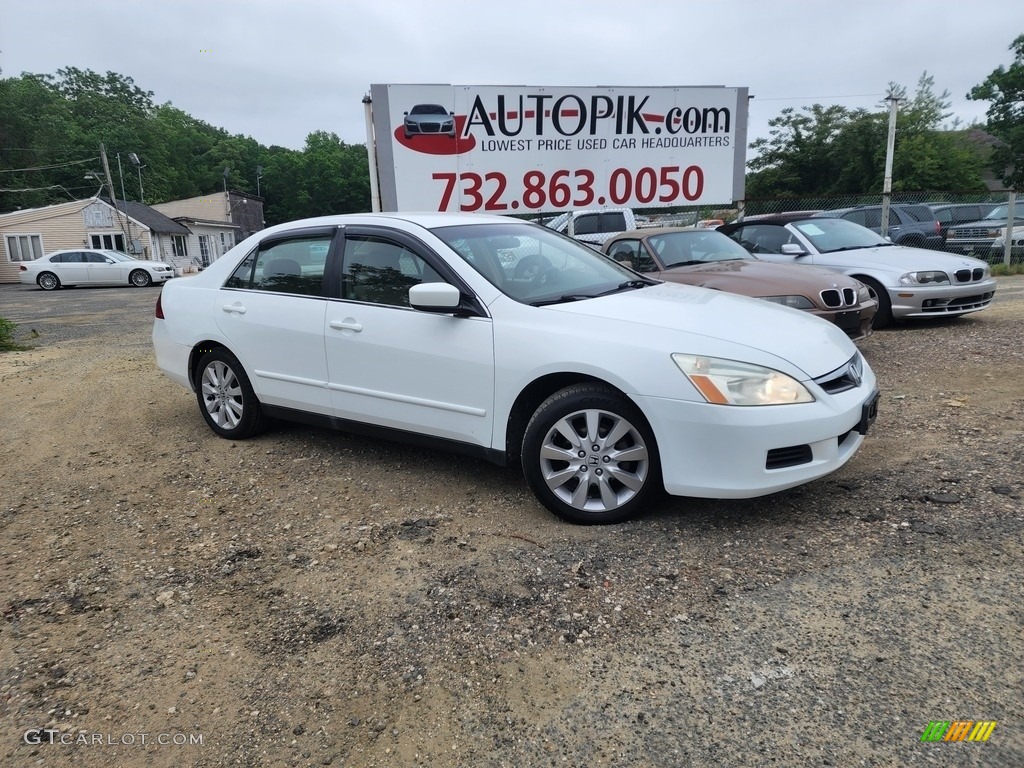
x=1008, y=269
x=7, y=343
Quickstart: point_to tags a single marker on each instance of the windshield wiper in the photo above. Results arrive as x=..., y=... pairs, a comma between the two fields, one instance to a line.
x=684, y=263
x=858, y=247
x=628, y=285
x=563, y=299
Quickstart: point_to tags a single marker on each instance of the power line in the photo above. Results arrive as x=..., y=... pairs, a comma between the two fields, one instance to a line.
x=50, y=167
x=801, y=98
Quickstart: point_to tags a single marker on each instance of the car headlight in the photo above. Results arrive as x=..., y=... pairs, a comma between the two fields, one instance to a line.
x=924, y=278
x=728, y=382
x=796, y=302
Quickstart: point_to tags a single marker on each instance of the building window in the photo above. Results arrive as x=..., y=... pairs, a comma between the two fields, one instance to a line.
x=204, y=249
x=112, y=242
x=24, y=247
x=180, y=245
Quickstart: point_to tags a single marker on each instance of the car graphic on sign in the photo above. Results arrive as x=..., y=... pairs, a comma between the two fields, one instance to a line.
x=429, y=119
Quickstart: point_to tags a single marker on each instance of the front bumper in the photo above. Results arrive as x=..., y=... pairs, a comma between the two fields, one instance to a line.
x=942, y=300
x=729, y=452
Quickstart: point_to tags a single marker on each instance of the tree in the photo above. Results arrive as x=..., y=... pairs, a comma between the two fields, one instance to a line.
x=831, y=151
x=1004, y=88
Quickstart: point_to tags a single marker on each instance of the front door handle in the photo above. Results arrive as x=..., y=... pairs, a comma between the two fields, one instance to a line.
x=238, y=308
x=346, y=325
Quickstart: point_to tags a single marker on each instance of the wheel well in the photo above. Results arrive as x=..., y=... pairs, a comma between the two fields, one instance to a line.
x=197, y=352
x=530, y=399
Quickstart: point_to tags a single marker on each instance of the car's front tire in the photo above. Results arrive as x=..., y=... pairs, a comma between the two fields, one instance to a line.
x=884, y=315
x=48, y=281
x=590, y=457
x=226, y=398
x=140, y=278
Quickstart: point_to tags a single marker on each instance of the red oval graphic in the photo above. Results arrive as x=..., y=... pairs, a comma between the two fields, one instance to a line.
x=437, y=144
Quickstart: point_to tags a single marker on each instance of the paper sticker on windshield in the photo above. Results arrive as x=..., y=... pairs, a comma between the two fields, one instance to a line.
x=810, y=229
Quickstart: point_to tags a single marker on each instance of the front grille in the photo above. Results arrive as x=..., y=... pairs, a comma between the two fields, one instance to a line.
x=969, y=275
x=792, y=456
x=834, y=298
x=968, y=234
x=847, y=376
x=430, y=127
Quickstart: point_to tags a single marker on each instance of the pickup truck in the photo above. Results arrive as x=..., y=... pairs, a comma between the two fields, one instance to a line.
x=595, y=226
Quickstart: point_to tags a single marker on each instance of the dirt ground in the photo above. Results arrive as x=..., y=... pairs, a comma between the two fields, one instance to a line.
x=310, y=598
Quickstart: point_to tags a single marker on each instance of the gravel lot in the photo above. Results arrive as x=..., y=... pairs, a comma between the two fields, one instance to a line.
x=311, y=598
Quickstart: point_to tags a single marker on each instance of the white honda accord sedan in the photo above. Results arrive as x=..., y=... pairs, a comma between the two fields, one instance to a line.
x=605, y=386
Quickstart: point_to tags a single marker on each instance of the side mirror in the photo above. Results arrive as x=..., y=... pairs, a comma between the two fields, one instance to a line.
x=434, y=297
x=792, y=249
x=628, y=263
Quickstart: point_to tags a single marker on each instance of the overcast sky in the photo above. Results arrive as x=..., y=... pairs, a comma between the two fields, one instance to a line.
x=277, y=70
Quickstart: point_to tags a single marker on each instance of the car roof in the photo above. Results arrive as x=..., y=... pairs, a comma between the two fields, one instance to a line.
x=425, y=219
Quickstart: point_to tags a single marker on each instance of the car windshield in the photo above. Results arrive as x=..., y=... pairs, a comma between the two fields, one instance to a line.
x=428, y=109
x=535, y=265
x=678, y=249
x=830, y=235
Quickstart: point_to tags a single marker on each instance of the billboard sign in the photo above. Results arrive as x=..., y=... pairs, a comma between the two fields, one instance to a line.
x=521, y=149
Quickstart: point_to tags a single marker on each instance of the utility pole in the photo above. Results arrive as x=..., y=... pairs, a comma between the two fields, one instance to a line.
x=113, y=199
x=890, y=146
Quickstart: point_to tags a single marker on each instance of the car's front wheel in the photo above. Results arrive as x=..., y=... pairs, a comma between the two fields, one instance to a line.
x=226, y=398
x=590, y=457
x=884, y=315
x=140, y=278
x=48, y=281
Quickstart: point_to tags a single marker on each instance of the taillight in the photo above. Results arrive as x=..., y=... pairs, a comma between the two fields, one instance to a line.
x=159, y=308
x=938, y=227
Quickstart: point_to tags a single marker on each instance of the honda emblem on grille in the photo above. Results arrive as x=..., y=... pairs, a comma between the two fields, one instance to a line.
x=854, y=375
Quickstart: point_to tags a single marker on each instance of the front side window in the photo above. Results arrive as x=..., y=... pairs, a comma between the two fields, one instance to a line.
x=382, y=272
x=24, y=247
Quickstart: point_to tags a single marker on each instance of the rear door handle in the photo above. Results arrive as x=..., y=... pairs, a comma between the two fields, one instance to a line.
x=238, y=308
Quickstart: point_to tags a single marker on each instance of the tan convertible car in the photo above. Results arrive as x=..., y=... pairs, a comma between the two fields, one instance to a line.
x=710, y=259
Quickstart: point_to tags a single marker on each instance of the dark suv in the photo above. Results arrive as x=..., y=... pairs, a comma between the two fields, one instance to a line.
x=913, y=225
x=952, y=214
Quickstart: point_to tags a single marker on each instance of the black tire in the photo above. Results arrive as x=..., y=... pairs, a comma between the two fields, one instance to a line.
x=140, y=278
x=884, y=316
x=226, y=398
x=572, y=468
x=48, y=281
x=911, y=242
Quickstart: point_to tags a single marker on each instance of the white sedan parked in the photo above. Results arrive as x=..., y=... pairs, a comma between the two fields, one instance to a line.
x=92, y=267
x=605, y=386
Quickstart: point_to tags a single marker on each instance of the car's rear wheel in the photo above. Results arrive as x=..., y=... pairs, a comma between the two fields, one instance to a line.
x=48, y=281
x=226, y=398
x=884, y=315
x=140, y=278
x=590, y=457
x=911, y=242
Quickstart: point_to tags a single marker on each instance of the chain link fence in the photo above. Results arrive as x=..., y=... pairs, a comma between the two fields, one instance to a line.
x=966, y=223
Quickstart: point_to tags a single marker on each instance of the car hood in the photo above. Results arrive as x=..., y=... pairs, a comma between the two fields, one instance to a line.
x=698, y=321
x=759, y=278
x=899, y=257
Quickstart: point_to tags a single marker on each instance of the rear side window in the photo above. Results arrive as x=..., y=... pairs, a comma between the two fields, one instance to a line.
x=291, y=266
x=919, y=212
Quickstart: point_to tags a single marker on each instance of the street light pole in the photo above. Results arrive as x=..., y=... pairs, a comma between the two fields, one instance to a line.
x=259, y=175
x=138, y=164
